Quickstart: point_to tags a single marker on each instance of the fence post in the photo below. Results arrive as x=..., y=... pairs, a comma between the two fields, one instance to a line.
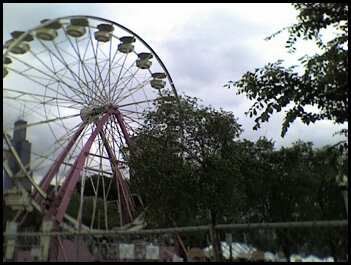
x=214, y=238
x=229, y=240
x=11, y=228
x=45, y=240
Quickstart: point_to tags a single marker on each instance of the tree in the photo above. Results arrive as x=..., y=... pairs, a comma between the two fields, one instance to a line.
x=183, y=160
x=324, y=82
x=182, y=165
x=294, y=183
x=328, y=198
x=277, y=187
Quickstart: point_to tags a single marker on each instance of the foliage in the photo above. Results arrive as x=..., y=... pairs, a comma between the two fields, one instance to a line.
x=324, y=82
x=183, y=159
x=294, y=183
x=189, y=163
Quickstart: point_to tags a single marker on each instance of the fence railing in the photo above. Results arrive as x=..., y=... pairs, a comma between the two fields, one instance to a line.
x=236, y=241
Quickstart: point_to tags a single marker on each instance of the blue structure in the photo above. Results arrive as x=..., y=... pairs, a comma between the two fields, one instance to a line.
x=23, y=148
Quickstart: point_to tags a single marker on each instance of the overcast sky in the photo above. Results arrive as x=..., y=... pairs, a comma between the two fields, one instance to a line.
x=203, y=46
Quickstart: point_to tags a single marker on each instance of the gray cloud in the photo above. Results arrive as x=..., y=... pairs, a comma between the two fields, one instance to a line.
x=215, y=49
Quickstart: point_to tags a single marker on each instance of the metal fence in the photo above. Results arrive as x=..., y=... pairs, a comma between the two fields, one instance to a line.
x=237, y=242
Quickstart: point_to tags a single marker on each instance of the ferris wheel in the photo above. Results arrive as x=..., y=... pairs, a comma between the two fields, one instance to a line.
x=82, y=84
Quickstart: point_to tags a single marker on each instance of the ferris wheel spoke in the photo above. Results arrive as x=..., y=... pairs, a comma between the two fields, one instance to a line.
x=102, y=51
x=97, y=90
x=53, y=72
x=63, y=52
x=109, y=187
x=95, y=201
x=116, y=174
x=61, y=59
x=35, y=95
x=136, y=106
x=98, y=69
x=52, y=63
x=48, y=102
x=136, y=103
x=129, y=79
x=71, y=64
x=94, y=154
x=146, y=96
x=51, y=129
x=31, y=109
x=104, y=194
x=126, y=80
x=40, y=162
x=71, y=164
x=113, y=59
x=108, y=74
x=80, y=210
x=38, y=82
x=77, y=78
x=61, y=119
x=132, y=91
x=131, y=111
x=36, y=76
x=65, y=138
x=115, y=128
x=104, y=81
x=134, y=120
x=128, y=126
x=80, y=141
x=102, y=181
x=84, y=67
x=45, y=121
x=114, y=65
x=60, y=142
x=114, y=87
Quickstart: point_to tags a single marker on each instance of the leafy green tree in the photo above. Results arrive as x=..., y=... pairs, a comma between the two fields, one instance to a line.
x=291, y=184
x=324, y=81
x=183, y=160
x=329, y=204
x=182, y=165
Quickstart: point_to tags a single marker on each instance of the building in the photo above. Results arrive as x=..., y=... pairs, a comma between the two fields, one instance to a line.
x=23, y=149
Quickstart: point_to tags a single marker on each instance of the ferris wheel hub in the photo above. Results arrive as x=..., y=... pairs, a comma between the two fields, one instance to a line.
x=90, y=113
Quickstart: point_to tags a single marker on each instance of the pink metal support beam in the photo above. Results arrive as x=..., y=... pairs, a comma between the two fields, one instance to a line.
x=131, y=201
x=123, y=127
x=120, y=182
x=60, y=204
x=45, y=183
x=66, y=191
x=121, y=124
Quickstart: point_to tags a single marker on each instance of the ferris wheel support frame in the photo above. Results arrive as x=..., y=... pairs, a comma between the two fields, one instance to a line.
x=60, y=203
x=45, y=182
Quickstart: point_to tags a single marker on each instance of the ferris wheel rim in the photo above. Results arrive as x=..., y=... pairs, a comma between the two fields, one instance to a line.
x=28, y=32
